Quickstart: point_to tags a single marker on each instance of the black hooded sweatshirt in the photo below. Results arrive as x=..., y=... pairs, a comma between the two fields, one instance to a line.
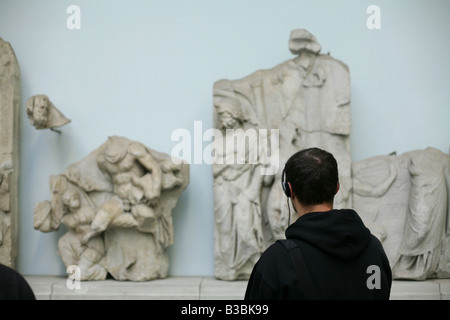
x=13, y=285
x=338, y=251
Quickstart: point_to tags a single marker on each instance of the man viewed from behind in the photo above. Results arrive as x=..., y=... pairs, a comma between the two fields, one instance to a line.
x=329, y=253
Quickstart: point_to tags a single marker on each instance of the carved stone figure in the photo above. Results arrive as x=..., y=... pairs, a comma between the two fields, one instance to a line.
x=116, y=204
x=307, y=100
x=9, y=152
x=237, y=186
x=404, y=200
x=43, y=114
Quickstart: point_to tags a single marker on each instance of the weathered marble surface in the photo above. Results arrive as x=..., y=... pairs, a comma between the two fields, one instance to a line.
x=9, y=152
x=116, y=204
x=403, y=199
x=43, y=114
x=405, y=202
x=306, y=100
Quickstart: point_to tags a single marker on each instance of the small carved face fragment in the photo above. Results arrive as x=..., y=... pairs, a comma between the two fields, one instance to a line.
x=38, y=109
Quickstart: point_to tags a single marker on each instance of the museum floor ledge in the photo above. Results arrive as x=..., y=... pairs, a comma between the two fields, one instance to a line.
x=197, y=288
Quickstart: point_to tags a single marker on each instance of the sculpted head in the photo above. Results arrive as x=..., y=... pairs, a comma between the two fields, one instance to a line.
x=43, y=114
x=38, y=110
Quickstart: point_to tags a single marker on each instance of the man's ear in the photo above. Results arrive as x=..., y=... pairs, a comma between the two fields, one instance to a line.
x=290, y=189
x=337, y=187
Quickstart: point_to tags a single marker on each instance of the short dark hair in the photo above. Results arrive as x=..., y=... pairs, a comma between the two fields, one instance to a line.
x=313, y=175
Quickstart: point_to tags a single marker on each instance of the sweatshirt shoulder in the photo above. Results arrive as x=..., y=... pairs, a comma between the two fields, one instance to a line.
x=264, y=281
x=376, y=244
x=274, y=251
x=273, y=260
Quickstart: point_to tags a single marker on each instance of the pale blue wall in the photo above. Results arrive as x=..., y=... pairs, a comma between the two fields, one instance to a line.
x=142, y=69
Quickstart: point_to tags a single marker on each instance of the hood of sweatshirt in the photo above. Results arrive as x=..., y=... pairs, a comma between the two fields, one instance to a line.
x=340, y=233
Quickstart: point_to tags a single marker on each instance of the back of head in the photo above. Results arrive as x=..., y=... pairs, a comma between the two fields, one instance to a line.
x=313, y=175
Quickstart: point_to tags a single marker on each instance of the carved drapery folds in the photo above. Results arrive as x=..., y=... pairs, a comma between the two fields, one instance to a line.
x=304, y=102
x=405, y=201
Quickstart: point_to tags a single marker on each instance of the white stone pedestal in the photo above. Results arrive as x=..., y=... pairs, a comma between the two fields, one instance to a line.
x=197, y=288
